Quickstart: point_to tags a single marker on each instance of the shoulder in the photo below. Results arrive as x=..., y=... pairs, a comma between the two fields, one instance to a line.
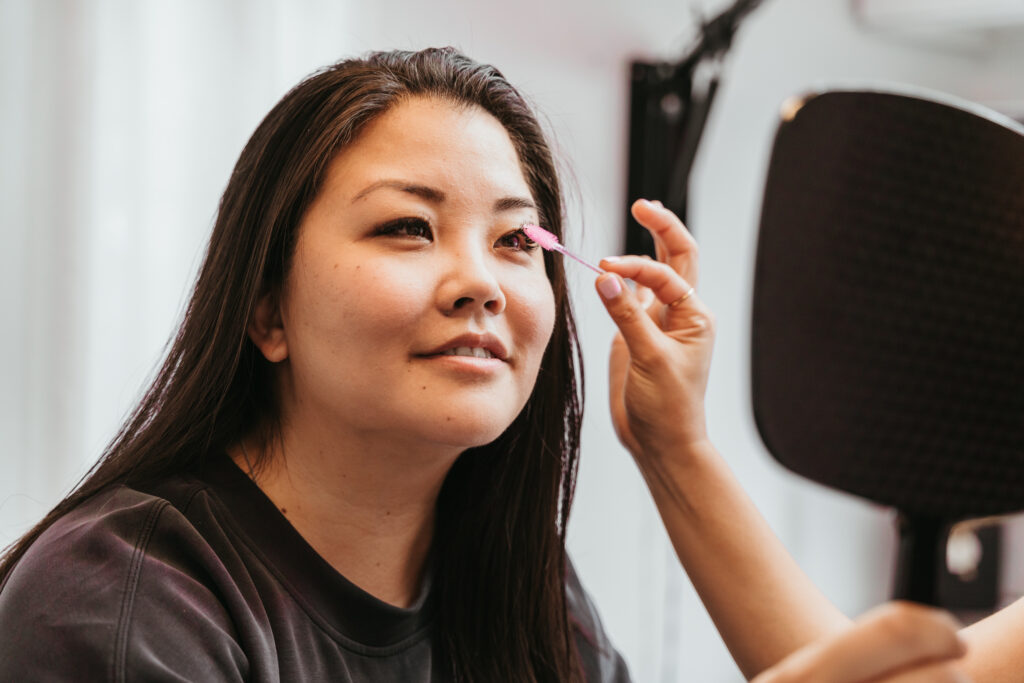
x=601, y=662
x=115, y=586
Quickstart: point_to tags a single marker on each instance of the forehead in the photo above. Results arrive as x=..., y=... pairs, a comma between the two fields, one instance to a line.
x=458, y=147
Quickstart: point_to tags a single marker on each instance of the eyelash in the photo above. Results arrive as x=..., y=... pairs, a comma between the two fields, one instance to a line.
x=420, y=228
x=401, y=226
x=525, y=243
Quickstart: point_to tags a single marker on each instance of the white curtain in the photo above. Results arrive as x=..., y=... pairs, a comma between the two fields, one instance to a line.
x=120, y=124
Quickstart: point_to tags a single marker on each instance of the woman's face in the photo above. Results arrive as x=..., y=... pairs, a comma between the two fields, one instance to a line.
x=411, y=253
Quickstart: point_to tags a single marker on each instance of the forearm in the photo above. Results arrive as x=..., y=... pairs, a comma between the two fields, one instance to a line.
x=762, y=603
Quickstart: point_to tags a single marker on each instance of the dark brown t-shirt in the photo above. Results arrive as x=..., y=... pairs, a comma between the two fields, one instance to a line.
x=203, y=579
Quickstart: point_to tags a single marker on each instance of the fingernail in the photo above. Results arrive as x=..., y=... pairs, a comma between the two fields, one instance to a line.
x=611, y=259
x=658, y=204
x=610, y=287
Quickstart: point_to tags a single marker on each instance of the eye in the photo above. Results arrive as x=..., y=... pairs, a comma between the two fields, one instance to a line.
x=417, y=228
x=517, y=240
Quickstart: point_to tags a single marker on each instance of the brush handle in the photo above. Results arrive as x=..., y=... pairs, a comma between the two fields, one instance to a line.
x=562, y=250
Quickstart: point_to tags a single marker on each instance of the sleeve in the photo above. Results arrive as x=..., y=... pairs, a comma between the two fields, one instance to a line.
x=601, y=661
x=109, y=593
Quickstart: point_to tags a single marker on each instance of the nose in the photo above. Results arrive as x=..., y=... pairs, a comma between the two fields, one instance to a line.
x=471, y=285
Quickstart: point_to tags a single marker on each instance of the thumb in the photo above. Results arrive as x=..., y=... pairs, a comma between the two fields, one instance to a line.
x=638, y=330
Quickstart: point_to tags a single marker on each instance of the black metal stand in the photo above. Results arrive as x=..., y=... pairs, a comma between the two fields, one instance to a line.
x=922, y=552
x=668, y=113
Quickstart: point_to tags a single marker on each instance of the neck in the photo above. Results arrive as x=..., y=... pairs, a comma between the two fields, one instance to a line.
x=366, y=505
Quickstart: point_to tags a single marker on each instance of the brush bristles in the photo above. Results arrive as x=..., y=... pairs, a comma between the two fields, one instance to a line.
x=541, y=236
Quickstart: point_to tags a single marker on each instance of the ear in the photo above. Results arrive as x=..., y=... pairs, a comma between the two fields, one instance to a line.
x=266, y=329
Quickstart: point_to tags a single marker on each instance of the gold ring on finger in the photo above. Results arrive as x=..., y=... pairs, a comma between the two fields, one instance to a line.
x=679, y=302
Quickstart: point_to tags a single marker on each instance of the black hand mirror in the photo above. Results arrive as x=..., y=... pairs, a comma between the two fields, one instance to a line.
x=888, y=311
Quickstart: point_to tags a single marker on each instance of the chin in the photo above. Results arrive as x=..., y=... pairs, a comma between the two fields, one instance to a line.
x=474, y=438
x=463, y=431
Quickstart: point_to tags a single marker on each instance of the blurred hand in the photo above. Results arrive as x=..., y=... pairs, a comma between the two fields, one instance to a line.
x=899, y=642
x=661, y=355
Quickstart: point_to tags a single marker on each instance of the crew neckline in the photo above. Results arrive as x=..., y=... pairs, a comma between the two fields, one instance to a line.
x=310, y=579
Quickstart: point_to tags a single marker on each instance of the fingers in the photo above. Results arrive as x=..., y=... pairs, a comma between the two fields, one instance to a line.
x=668, y=286
x=648, y=301
x=660, y=278
x=934, y=673
x=891, y=642
x=638, y=330
x=674, y=244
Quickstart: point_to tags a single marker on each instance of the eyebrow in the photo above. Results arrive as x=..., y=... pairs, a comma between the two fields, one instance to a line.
x=436, y=196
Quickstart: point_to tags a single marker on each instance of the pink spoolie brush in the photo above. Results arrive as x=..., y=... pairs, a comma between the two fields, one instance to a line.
x=548, y=241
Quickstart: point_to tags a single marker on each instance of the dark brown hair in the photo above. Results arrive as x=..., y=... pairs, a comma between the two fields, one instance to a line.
x=499, y=546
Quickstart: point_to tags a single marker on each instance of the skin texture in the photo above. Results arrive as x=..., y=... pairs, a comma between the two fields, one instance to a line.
x=412, y=241
x=775, y=622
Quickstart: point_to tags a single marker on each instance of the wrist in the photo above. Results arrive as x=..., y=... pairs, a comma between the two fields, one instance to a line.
x=684, y=479
x=678, y=461
x=682, y=450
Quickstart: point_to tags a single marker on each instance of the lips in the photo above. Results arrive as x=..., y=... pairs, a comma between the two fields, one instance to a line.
x=472, y=345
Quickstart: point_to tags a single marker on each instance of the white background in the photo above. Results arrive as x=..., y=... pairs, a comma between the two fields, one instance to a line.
x=120, y=122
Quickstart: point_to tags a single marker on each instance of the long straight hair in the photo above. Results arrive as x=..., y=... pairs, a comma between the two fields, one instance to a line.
x=499, y=548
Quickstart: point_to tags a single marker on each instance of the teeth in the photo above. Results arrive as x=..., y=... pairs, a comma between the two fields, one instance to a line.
x=475, y=352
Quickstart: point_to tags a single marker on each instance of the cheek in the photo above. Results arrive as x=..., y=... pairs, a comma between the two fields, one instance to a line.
x=536, y=318
x=385, y=296
x=348, y=301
